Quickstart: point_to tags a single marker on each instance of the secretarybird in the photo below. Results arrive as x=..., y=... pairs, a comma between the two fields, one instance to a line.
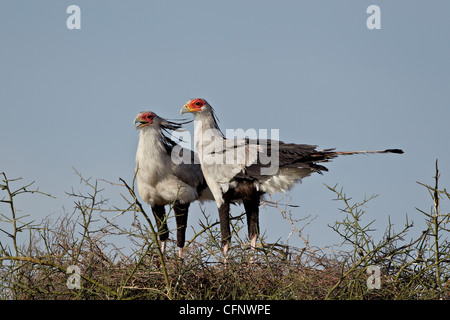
x=161, y=181
x=246, y=169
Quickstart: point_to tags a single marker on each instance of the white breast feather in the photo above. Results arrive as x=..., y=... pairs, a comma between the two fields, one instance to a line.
x=156, y=182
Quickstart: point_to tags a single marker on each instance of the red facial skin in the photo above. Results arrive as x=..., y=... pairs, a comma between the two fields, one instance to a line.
x=148, y=117
x=145, y=119
x=196, y=104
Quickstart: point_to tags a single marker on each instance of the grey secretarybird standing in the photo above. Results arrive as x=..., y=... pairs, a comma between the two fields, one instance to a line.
x=245, y=169
x=161, y=181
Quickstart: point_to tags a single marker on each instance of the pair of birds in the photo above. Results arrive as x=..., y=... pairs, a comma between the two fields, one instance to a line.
x=223, y=170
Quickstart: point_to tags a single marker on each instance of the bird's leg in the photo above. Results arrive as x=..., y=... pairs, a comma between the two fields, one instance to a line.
x=226, y=247
x=224, y=218
x=163, y=247
x=252, y=211
x=161, y=223
x=253, y=242
x=181, y=216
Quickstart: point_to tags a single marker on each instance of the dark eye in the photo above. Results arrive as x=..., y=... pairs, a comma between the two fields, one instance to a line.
x=198, y=103
x=149, y=116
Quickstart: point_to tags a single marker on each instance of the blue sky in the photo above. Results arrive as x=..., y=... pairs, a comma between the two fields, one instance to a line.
x=309, y=68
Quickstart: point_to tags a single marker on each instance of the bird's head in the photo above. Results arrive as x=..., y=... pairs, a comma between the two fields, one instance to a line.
x=195, y=106
x=150, y=119
x=145, y=119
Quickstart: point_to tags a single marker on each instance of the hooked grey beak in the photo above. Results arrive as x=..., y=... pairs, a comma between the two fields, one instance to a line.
x=185, y=109
x=139, y=123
